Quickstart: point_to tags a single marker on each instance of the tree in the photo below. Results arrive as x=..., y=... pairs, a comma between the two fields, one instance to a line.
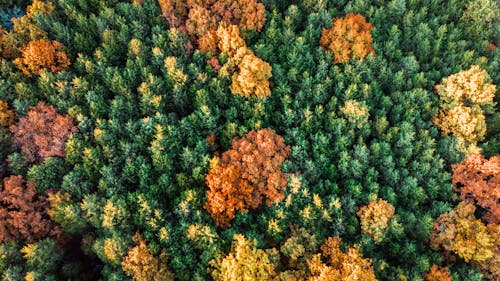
x=42, y=54
x=462, y=95
x=248, y=173
x=374, y=219
x=23, y=212
x=252, y=77
x=42, y=133
x=6, y=115
x=142, y=266
x=459, y=232
x=437, y=273
x=348, y=266
x=477, y=180
x=348, y=37
x=245, y=262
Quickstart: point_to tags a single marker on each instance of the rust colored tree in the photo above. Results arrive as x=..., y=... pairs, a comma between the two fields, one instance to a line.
x=437, y=273
x=248, y=175
x=42, y=133
x=478, y=180
x=374, y=219
x=142, y=266
x=23, y=214
x=349, y=37
x=459, y=232
x=42, y=54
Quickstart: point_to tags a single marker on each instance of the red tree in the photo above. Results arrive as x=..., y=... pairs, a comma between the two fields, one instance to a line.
x=42, y=133
x=478, y=180
x=23, y=212
x=248, y=174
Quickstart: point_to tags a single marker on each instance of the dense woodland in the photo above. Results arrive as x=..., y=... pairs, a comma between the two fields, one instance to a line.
x=249, y=140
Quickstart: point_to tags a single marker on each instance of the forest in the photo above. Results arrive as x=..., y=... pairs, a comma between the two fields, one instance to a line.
x=252, y=140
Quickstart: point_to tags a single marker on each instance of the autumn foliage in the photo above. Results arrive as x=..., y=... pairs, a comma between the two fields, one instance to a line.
x=42, y=133
x=42, y=54
x=249, y=173
x=245, y=262
x=197, y=17
x=437, y=273
x=478, y=180
x=462, y=95
x=374, y=219
x=142, y=266
x=6, y=115
x=459, y=232
x=341, y=265
x=349, y=37
x=23, y=214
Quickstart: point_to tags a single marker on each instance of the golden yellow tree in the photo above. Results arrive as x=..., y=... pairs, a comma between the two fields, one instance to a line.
x=349, y=37
x=142, y=266
x=42, y=54
x=374, y=219
x=6, y=115
x=346, y=266
x=462, y=95
x=245, y=262
x=459, y=232
x=252, y=77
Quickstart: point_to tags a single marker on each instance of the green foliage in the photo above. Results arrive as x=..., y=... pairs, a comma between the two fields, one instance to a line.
x=147, y=132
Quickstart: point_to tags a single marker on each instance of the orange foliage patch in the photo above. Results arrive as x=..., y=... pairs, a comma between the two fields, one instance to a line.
x=6, y=115
x=248, y=174
x=42, y=133
x=374, y=219
x=478, y=180
x=348, y=37
x=23, y=212
x=42, y=54
x=437, y=273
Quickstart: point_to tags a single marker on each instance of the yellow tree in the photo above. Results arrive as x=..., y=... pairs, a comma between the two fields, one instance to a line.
x=349, y=37
x=245, y=262
x=252, y=77
x=142, y=266
x=374, y=219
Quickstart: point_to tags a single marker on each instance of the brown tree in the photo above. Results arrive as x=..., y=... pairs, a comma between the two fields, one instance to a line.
x=23, y=214
x=437, y=273
x=374, y=219
x=348, y=37
x=42, y=54
x=142, y=266
x=6, y=115
x=478, y=180
x=42, y=133
x=249, y=173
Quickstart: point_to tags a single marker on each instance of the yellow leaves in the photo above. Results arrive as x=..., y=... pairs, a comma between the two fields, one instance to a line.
x=462, y=96
x=252, y=77
x=175, y=72
x=374, y=219
x=142, y=266
x=6, y=115
x=245, y=262
x=348, y=37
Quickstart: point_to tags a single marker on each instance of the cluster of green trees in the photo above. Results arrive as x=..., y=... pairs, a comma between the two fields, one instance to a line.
x=152, y=115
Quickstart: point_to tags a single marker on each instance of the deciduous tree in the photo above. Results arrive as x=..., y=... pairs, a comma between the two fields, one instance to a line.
x=248, y=174
x=42, y=133
x=478, y=179
x=23, y=214
x=6, y=115
x=142, y=266
x=349, y=37
x=374, y=219
x=252, y=77
x=437, y=273
x=42, y=54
